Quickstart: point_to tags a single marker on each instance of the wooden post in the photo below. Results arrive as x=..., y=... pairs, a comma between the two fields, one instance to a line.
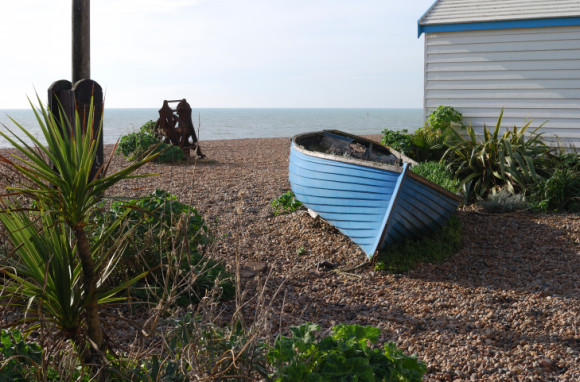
x=81, y=40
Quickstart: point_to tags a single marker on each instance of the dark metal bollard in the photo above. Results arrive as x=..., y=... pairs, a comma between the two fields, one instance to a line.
x=68, y=99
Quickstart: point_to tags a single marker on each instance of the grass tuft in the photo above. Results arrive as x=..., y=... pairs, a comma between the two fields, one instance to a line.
x=406, y=255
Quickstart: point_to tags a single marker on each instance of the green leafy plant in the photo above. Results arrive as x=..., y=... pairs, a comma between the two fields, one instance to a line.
x=134, y=145
x=285, y=203
x=56, y=179
x=19, y=359
x=159, y=227
x=560, y=191
x=346, y=355
x=195, y=349
x=220, y=352
x=48, y=272
x=442, y=118
x=428, y=142
x=399, y=140
x=405, y=255
x=513, y=160
x=429, y=145
x=438, y=173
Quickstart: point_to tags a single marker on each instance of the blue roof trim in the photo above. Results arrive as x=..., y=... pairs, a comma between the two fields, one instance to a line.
x=510, y=24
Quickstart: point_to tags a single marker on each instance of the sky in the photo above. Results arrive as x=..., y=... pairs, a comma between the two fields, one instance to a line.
x=222, y=53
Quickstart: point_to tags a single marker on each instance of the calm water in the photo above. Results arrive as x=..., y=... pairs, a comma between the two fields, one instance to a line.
x=245, y=123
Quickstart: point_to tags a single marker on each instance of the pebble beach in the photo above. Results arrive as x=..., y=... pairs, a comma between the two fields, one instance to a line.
x=506, y=307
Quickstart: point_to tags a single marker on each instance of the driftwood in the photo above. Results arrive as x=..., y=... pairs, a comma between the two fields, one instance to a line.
x=176, y=127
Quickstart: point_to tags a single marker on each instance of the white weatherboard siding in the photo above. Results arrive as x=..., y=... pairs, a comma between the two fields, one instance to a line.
x=533, y=72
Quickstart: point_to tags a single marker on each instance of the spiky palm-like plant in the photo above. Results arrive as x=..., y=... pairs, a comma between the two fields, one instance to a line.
x=513, y=160
x=56, y=178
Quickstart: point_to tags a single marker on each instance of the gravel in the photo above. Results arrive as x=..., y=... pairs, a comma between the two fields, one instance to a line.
x=505, y=307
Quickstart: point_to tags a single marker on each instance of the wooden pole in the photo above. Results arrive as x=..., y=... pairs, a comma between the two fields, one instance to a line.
x=81, y=40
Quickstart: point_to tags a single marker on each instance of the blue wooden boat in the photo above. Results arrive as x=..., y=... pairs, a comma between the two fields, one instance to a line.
x=365, y=189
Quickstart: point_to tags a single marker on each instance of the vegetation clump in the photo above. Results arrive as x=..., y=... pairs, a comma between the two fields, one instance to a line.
x=346, y=354
x=285, y=203
x=135, y=144
x=20, y=357
x=405, y=255
x=438, y=173
x=502, y=161
x=513, y=160
x=443, y=117
x=561, y=190
x=399, y=140
x=56, y=268
x=428, y=143
x=163, y=232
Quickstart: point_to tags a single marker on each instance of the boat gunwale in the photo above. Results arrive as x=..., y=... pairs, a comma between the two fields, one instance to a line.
x=337, y=158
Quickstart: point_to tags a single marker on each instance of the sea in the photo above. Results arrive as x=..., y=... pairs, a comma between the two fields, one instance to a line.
x=230, y=123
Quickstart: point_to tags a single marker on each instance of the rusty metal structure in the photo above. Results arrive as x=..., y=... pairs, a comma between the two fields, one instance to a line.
x=176, y=127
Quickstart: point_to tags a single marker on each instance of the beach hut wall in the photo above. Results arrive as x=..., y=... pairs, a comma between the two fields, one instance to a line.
x=482, y=55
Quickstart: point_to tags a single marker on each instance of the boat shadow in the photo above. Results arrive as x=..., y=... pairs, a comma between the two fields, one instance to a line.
x=522, y=252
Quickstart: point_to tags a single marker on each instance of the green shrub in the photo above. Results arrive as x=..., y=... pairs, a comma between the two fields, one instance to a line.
x=399, y=140
x=560, y=191
x=18, y=358
x=428, y=142
x=345, y=355
x=405, y=255
x=285, y=203
x=442, y=118
x=428, y=145
x=438, y=173
x=165, y=232
x=567, y=160
x=194, y=349
x=514, y=161
x=219, y=351
x=136, y=144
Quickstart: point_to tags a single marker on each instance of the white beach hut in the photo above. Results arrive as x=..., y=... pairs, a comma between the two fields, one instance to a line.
x=524, y=55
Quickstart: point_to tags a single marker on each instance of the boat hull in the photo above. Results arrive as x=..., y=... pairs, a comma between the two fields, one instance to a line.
x=374, y=205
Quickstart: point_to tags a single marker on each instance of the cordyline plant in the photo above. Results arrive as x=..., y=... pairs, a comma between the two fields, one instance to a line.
x=50, y=235
x=513, y=161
